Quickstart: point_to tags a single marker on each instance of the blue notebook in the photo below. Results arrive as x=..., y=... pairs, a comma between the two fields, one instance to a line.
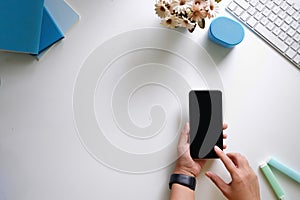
x=50, y=33
x=64, y=16
x=20, y=25
x=62, y=13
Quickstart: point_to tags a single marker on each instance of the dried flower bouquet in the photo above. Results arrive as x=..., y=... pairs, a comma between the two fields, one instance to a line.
x=186, y=13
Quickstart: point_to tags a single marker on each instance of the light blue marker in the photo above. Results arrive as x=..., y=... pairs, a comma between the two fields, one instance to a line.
x=284, y=169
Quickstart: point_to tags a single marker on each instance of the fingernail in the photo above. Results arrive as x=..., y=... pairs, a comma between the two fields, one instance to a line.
x=217, y=148
x=208, y=174
x=187, y=127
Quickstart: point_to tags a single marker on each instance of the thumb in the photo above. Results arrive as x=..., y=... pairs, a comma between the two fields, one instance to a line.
x=183, y=139
x=218, y=182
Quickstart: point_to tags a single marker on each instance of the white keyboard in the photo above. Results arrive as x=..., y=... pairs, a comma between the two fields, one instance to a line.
x=275, y=21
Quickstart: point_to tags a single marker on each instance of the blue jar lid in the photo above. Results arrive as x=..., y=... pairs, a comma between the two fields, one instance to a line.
x=226, y=32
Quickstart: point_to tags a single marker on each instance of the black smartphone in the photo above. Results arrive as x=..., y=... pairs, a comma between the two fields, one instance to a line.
x=206, y=123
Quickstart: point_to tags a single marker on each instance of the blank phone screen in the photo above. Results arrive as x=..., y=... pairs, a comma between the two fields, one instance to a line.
x=205, y=111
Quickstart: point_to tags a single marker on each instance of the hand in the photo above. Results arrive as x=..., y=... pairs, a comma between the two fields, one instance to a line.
x=185, y=164
x=244, y=184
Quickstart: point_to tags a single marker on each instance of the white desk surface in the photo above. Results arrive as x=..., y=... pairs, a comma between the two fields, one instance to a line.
x=42, y=156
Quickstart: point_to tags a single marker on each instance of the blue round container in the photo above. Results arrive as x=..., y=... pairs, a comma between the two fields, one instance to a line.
x=226, y=32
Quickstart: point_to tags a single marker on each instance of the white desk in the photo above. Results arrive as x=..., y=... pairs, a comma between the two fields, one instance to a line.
x=43, y=157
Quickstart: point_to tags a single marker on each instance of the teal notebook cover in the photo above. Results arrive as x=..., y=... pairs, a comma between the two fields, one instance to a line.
x=64, y=16
x=50, y=33
x=20, y=25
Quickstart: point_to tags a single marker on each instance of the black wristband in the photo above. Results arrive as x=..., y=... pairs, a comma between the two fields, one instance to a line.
x=184, y=180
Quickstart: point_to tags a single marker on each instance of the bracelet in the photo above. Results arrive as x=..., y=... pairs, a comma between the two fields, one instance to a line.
x=184, y=180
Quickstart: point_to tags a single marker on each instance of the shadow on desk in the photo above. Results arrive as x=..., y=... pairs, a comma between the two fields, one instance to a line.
x=16, y=59
x=217, y=52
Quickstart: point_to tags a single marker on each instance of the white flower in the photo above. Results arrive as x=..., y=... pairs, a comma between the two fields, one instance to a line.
x=198, y=2
x=198, y=12
x=171, y=21
x=181, y=6
x=161, y=9
x=184, y=22
x=213, y=8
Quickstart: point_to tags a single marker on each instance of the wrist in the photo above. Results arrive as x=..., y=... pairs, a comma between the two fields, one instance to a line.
x=183, y=180
x=184, y=171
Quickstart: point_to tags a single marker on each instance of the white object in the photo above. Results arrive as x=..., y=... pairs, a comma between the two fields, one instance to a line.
x=267, y=28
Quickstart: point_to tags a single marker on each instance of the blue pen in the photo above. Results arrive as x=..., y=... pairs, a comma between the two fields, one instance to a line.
x=284, y=169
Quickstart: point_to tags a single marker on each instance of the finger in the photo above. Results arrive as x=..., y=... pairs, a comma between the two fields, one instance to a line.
x=183, y=139
x=225, y=126
x=230, y=166
x=217, y=181
x=238, y=159
x=224, y=146
x=225, y=136
x=184, y=136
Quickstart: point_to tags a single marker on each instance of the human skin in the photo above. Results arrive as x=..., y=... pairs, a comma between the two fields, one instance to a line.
x=244, y=184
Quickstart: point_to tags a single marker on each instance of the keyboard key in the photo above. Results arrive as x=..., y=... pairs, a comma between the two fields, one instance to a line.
x=297, y=37
x=238, y=11
x=288, y=20
x=276, y=10
x=294, y=25
x=272, y=17
x=266, y=12
x=259, y=7
x=270, y=26
x=251, y=11
x=251, y=22
x=291, y=53
x=284, y=27
x=271, y=38
x=290, y=2
x=295, y=46
x=284, y=5
x=276, y=31
x=282, y=36
x=297, y=59
x=291, y=32
x=288, y=41
x=278, y=22
x=291, y=11
x=245, y=16
x=258, y=16
x=253, y=2
x=296, y=16
x=277, y=2
x=244, y=4
x=264, y=21
x=282, y=15
x=232, y=6
x=270, y=5
x=263, y=1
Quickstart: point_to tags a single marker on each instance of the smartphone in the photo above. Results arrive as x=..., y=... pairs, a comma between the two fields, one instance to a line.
x=206, y=123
